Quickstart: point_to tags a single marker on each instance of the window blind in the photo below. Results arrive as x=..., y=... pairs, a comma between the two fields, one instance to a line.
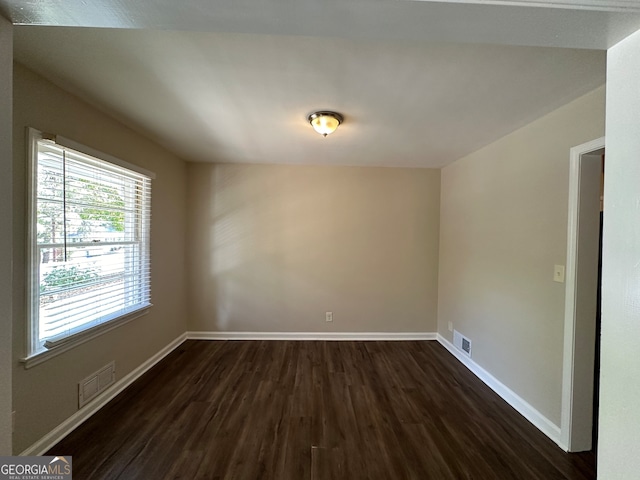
x=92, y=243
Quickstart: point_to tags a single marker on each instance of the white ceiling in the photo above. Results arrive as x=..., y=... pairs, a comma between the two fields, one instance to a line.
x=419, y=83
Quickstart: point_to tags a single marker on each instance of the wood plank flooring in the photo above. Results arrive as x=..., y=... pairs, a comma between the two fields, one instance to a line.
x=288, y=410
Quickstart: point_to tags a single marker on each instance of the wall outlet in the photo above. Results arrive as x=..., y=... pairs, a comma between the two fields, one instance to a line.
x=558, y=273
x=329, y=317
x=13, y=422
x=450, y=326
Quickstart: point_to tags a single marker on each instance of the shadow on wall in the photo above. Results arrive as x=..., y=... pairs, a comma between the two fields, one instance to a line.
x=278, y=246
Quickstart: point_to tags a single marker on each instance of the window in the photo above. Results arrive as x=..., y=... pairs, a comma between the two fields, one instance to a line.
x=89, y=243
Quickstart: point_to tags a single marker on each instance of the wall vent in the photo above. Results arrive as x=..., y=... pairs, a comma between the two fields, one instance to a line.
x=95, y=383
x=462, y=343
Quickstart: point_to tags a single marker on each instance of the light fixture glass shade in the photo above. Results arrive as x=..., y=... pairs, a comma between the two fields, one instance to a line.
x=325, y=122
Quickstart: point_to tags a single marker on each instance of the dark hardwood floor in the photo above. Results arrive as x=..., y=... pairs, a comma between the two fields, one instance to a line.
x=288, y=410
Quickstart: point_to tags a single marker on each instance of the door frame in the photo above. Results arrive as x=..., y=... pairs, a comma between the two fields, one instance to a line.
x=575, y=434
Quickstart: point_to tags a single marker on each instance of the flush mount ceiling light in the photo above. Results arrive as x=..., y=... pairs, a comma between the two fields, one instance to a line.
x=325, y=122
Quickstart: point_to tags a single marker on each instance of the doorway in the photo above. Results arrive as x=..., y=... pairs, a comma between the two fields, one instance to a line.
x=596, y=366
x=581, y=298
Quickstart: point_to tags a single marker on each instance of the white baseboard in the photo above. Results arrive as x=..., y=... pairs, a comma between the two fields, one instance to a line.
x=353, y=336
x=78, y=418
x=541, y=422
x=54, y=436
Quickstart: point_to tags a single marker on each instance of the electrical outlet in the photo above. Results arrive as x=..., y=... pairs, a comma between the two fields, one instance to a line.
x=329, y=317
x=450, y=326
x=558, y=273
x=13, y=421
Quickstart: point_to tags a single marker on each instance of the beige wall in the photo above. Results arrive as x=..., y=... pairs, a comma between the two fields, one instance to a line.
x=503, y=227
x=619, y=435
x=46, y=394
x=6, y=67
x=272, y=248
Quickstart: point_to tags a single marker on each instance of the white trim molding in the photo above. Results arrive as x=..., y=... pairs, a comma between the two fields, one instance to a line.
x=541, y=422
x=78, y=418
x=624, y=6
x=73, y=145
x=570, y=308
x=84, y=336
x=65, y=428
x=331, y=336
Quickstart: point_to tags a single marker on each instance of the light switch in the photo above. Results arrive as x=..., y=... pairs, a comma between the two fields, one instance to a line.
x=558, y=273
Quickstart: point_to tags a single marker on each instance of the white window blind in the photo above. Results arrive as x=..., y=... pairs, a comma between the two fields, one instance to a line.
x=90, y=263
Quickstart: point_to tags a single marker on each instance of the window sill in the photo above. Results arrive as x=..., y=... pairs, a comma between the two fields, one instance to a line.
x=82, y=337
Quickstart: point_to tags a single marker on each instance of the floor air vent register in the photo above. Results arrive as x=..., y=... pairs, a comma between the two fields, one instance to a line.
x=95, y=383
x=462, y=343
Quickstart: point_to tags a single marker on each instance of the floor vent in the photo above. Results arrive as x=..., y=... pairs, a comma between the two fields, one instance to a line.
x=91, y=386
x=462, y=343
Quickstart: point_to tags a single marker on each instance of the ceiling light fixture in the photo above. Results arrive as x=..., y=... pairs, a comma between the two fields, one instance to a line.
x=325, y=122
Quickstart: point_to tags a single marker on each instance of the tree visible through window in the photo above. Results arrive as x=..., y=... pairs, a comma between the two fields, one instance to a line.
x=90, y=243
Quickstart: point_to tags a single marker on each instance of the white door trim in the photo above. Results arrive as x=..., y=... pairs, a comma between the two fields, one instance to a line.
x=568, y=440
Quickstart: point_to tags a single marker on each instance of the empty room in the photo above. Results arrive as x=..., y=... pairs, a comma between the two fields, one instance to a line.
x=321, y=240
